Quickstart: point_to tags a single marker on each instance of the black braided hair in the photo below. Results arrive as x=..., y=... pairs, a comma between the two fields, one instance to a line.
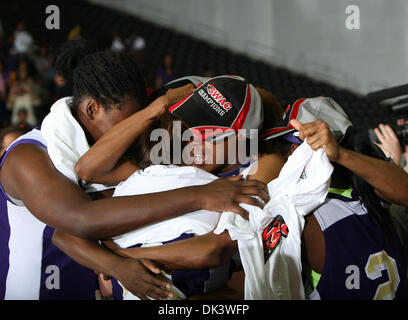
x=104, y=75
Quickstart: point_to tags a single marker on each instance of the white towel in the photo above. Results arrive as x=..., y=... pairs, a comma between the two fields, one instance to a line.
x=301, y=187
x=66, y=142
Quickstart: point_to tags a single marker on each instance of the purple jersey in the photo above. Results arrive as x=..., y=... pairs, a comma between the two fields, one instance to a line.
x=359, y=263
x=31, y=267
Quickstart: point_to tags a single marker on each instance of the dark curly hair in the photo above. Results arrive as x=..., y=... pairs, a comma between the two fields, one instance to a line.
x=107, y=76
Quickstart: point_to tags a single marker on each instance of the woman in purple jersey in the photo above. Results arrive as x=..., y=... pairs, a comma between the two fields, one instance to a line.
x=108, y=87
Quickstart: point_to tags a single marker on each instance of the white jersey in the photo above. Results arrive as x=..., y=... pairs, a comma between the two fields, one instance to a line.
x=31, y=267
x=269, y=242
x=160, y=178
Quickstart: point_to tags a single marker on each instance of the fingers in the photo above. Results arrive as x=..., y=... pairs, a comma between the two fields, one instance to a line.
x=255, y=188
x=236, y=208
x=389, y=132
x=150, y=265
x=252, y=191
x=251, y=201
x=255, y=183
x=158, y=294
x=319, y=140
x=161, y=285
x=156, y=288
x=385, y=133
x=177, y=94
x=390, y=144
x=151, y=279
x=296, y=124
x=379, y=135
x=105, y=276
x=309, y=129
x=144, y=285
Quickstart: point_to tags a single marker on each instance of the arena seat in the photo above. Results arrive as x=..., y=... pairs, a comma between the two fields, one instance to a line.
x=190, y=55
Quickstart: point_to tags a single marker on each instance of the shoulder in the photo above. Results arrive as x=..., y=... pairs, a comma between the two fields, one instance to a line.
x=25, y=163
x=268, y=168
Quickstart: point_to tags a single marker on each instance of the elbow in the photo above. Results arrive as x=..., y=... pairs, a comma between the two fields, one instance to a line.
x=87, y=231
x=217, y=256
x=215, y=259
x=84, y=172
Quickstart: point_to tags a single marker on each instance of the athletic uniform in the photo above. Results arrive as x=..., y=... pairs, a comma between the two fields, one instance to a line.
x=31, y=267
x=359, y=263
x=159, y=178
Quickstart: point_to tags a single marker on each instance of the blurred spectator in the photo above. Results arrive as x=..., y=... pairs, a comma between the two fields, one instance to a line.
x=4, y=74
x=3, y=82
x=2, y=42
x=43, y=64
x=61, y=88
x=8, y=135
x=23, y=94
x=3, y=94
x=10, y=63
x=137, y=45
x=22, y=119
x=74, y=33
x=166, y=73
x=117, y=43
x=390, y=144
x=22, y=40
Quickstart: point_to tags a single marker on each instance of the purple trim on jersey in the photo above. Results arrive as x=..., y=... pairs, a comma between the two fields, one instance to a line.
x=4, y=222
x=234, y=172
x=354, y=196
x=4, y=248
x=117, y=290
x=13, y=145
x=76, y=281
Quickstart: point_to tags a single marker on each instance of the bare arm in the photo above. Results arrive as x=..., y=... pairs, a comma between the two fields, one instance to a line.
x=135, y=274
x=28, y=174
x=208, y=250
x=389, y=180
x=99, y=164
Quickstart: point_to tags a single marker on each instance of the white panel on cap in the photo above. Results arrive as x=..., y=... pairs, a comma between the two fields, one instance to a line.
x=193, y=79
x=327, y=110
